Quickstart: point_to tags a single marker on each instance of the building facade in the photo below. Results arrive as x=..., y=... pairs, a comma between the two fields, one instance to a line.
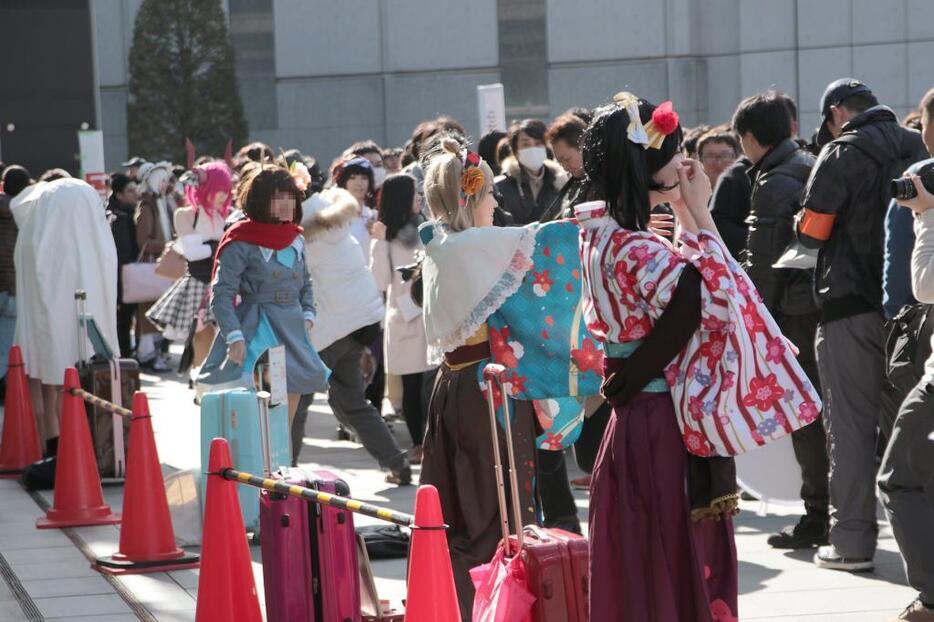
x=320, y=74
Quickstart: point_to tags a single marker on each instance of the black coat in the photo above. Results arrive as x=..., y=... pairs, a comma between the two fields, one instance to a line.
x=120, y=215
x=729, y=206
x=849, y=191
x=778, y=182
x=517, y=198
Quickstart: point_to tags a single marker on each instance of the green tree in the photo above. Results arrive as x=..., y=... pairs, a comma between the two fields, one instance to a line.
x=182, y=81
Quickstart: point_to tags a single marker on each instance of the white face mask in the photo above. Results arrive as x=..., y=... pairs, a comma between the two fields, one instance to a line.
x=532, y=158
x=379, y=176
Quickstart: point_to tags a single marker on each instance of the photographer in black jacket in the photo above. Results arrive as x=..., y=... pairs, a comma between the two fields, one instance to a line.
x=844, y=208
x=778, y=175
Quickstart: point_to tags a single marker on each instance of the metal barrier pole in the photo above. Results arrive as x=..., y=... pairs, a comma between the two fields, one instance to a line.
x=102, y=403
x=323, y=498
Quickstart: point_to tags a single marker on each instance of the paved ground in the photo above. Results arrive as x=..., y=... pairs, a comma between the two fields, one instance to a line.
x=46, y=574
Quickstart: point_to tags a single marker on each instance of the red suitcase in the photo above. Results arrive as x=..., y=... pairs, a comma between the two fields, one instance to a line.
x=556, y=561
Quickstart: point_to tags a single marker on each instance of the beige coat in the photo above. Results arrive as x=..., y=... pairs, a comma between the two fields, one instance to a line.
x=149, y=236
x=151, y=242
x=405, y=346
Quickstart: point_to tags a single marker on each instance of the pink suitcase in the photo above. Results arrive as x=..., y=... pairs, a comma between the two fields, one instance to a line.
x=310, y=570
x=285, y=540
x=556, y=561
x=557, y=566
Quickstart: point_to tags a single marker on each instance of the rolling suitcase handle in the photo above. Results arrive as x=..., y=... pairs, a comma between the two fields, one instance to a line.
x=81, y=298
x=116, y=382
x=263, y=397
x=495, y=373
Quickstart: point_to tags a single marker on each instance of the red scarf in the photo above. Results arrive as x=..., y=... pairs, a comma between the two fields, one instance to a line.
x=276, y=237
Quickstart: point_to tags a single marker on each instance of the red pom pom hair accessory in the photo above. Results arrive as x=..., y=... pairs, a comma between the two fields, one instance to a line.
x=664, y=122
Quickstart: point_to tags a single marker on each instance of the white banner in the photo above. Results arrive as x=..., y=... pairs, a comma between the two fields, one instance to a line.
x=491, y=102
x=91, y=145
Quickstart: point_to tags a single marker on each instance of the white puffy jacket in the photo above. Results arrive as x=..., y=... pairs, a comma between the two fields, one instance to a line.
x=346, y=297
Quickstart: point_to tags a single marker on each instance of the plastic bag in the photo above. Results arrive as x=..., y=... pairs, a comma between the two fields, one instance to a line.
x=502, y=590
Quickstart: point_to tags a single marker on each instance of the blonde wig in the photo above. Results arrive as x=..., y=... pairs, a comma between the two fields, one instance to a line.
x=443, y=191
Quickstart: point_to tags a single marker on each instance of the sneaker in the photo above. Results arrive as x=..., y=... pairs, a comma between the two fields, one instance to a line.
x=828, y=557
x=915, y=612
x=160, y=364
x=808, y=533
x=400, y=477
x=581, y=483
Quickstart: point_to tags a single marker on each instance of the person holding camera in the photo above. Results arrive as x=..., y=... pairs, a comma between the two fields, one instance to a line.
x=844, y=208
x=906, y=477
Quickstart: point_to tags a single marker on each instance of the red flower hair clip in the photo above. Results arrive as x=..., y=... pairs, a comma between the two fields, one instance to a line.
x=665, y=118
x=664, y=123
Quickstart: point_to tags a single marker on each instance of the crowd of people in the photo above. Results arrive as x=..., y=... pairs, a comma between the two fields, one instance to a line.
x=381, y=275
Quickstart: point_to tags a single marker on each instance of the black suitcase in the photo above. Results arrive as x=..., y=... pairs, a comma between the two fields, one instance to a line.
x=99, y=375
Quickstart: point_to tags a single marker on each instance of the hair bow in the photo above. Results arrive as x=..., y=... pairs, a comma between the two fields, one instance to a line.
x=651, y=135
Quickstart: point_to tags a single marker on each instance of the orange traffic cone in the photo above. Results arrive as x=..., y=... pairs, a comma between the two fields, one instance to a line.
x=432, y=596
x=147, y=540
x=20, y=445
x=79, y=499
x=226, y=588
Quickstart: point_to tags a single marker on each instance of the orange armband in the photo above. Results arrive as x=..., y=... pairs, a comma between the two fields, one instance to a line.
x=816, y=225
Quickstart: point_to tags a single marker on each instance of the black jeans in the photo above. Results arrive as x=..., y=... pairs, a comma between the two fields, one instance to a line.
x=554, y=490
x=810, y=442
x=558, y=506
x=413, y=408
x=906, y=487
x=125, y=314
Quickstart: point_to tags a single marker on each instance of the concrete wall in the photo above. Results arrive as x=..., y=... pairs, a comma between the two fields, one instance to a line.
x=358, y=69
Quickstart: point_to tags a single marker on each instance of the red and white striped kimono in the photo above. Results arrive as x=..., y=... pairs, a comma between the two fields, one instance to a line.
x=737, y=384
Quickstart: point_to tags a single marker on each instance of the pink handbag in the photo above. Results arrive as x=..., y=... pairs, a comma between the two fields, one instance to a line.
x=141, y=283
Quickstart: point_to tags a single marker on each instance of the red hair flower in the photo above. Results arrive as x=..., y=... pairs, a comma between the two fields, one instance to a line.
x=665, y=118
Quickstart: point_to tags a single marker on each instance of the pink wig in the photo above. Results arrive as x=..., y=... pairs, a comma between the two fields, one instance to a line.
x=212, y=177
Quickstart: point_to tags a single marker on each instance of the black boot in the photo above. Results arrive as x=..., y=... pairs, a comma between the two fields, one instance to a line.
x=810, y=531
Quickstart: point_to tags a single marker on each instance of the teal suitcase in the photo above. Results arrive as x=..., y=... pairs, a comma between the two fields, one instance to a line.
x=234, y=415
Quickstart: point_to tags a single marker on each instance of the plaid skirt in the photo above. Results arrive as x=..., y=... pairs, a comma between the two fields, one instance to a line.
x=177, y=307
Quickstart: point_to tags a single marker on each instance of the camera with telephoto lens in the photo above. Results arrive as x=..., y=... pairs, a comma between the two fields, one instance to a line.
x=903, y=189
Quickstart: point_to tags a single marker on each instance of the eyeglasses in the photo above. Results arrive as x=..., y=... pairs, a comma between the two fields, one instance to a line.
x=718, y=157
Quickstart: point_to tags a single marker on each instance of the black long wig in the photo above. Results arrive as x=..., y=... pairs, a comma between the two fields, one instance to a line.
x=619, y=170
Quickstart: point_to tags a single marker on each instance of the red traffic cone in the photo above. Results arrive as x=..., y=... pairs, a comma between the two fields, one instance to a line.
x=79, y=500
x=147, y=540
x=20, y=445
x=432, y=596
x=226, y=587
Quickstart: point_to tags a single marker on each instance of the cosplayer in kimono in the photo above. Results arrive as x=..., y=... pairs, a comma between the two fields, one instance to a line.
x=262, y=260
x=470, y=269
x=695, y=367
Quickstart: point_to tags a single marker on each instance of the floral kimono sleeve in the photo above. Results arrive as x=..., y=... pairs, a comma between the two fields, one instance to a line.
x=647, y=270
x=737, y=384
